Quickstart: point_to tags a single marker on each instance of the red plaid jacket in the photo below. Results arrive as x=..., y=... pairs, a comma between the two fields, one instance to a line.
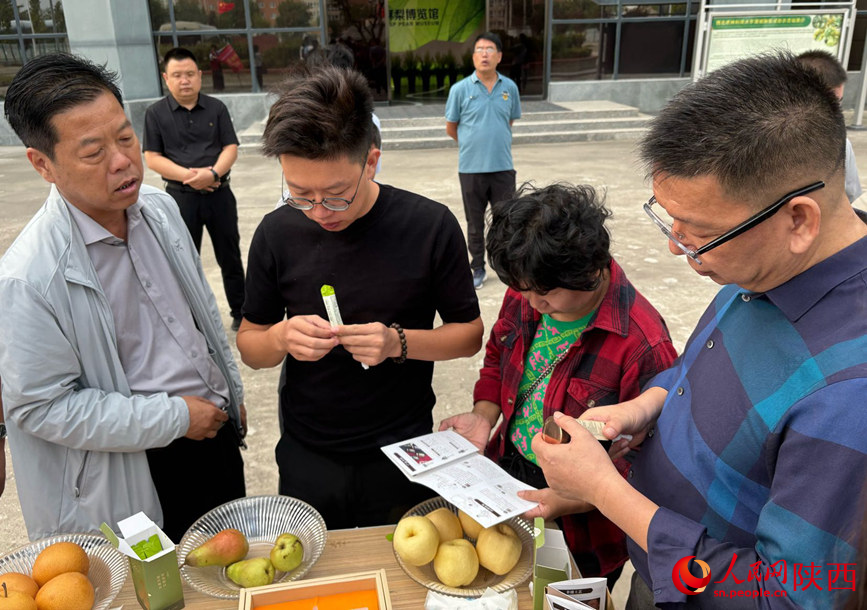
x=624, y=345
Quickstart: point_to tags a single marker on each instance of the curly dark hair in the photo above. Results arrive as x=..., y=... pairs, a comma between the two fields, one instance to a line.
x=549, y=237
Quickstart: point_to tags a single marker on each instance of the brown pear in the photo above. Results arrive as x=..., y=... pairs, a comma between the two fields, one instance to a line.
x=59, y=558
x=226, y=547
x=16, y=600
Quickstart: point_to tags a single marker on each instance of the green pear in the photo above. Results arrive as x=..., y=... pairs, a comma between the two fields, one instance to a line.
x=254, y=572
x=226, y=547
x=287, y=553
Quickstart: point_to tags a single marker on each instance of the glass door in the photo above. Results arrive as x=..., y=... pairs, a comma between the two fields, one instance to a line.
x=357, y=27
x=521, y=25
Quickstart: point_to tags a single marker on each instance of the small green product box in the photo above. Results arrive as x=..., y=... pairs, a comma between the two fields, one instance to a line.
x=153, y=562
x=552, y=561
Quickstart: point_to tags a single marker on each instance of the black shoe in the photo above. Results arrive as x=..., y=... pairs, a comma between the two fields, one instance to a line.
x=236, y=323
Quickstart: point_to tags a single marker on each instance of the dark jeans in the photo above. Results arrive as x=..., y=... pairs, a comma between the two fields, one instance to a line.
x=218, y=211
x=477, y=191
x=524, y=470
x=192, y=477
x=357, y=489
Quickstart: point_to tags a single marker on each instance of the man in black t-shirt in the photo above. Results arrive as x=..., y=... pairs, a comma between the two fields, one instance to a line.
x=190, y=141
x=395, y=260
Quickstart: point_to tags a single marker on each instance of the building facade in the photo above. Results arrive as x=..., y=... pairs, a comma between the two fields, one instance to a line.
x=412, y=51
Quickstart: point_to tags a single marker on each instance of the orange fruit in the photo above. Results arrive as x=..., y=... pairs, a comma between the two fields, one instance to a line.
x=57, y=559
x=68, y=591
x=15, y=581
x=16, y=600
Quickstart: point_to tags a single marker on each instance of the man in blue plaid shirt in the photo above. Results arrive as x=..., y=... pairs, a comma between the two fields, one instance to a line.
x=754, y=447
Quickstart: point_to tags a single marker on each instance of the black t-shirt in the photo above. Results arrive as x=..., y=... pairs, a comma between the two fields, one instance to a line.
x=401, y=262
x=190, y=138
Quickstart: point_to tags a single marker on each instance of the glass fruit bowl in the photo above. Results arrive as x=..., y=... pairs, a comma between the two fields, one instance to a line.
x=425, y=575
x=108, y=567
x=261, y=519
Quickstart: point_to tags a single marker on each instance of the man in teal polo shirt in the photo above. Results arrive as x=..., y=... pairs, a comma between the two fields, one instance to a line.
x=479, y=115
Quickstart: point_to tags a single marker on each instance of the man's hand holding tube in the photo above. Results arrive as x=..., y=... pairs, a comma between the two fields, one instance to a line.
x=582, y=470
x=577, y=470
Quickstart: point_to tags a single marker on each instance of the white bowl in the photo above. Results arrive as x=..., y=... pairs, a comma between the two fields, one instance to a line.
x=425, y=575
x=261, y=519
x=108, y=567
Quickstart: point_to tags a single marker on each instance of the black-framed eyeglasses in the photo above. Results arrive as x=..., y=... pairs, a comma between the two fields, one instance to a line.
x=335, y=204
x=743, y=227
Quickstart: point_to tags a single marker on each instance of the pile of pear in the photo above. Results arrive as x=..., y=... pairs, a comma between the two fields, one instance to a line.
x=438, y=537
x=57, y=581
x=228, y=548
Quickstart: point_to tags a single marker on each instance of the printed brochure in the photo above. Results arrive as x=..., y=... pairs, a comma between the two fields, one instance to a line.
x=453, y=467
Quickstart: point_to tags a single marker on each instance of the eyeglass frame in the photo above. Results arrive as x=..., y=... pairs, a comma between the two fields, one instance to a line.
x=741, y=228
x=486, y=50
x=291, y=201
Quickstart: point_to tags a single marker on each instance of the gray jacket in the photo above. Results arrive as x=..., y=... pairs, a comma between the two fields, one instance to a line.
x=76, y=434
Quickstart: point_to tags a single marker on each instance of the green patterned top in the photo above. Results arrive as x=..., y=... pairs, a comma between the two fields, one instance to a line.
x=552, y=338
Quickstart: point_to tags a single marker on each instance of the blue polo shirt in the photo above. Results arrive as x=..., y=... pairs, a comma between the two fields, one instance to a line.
x=759, y=455
x=484, y=133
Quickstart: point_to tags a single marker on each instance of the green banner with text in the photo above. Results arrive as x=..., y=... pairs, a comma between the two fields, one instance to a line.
x=414, y=23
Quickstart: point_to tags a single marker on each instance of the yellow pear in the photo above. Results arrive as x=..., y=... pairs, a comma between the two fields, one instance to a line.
x=15, y=581
x=471, y=526
x=456, y=563
x=69, y=591
x=499, y=548
x=57, y=559
x=447, y=524
x=416, y=540
x=16, y=600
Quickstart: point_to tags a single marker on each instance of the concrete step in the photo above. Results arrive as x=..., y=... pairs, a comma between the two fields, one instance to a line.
x=406, y=128
x=519, y=139
x=527, y=117
x=521, y=127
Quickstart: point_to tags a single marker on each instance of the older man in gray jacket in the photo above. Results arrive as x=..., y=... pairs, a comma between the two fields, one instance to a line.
x=120, y=389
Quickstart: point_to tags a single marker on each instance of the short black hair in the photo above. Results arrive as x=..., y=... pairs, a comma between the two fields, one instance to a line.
x=178, y=54
x=490, y=36
x=49, y=85
x=550, y=237
x=321, y=114
x=761, y=127
x=831, y=70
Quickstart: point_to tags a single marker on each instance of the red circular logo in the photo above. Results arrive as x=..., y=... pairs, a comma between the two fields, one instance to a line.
x=685, y=581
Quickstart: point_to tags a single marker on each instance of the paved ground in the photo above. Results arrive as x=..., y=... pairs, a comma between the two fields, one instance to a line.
x=665, y=280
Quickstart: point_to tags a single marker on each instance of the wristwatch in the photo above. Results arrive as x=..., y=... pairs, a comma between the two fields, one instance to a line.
x=2, y=430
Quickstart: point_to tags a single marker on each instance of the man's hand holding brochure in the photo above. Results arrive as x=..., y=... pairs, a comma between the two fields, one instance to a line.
x=452, y=466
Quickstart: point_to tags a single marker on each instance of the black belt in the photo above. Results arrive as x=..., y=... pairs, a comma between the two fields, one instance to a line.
x=184, y=188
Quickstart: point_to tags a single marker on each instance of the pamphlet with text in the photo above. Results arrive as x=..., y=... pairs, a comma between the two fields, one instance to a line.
x=577, y=594
x=453, y=467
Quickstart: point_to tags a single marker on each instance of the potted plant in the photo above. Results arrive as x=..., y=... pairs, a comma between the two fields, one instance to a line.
x=426, y=69
x=439, y=70
x=410, y=65
x=396, y=74
x=450, y=65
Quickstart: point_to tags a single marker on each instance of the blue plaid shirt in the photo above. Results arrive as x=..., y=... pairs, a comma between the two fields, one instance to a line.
x=760, y=451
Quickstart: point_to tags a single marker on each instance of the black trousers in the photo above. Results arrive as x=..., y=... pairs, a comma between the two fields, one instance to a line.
x=478, y=190
x=192, y=477
x=218, y=211
x=358, y=489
